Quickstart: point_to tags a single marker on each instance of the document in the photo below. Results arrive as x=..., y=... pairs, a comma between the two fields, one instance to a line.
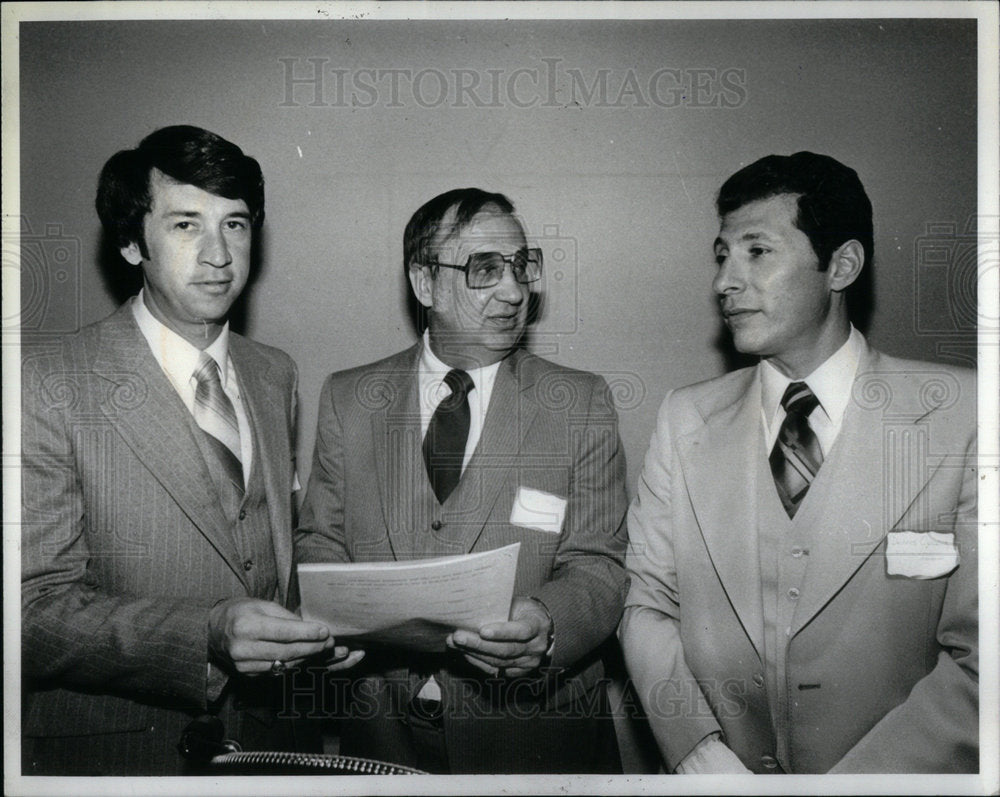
x=413, y=604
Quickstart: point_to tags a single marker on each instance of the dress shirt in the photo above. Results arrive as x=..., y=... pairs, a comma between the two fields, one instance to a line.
x=433, y=390
x=179, y=360
x=831, y=383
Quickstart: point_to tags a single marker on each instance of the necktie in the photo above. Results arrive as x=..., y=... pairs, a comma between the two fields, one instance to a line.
x=214, y=413
x=447, y=434
x=797, y=456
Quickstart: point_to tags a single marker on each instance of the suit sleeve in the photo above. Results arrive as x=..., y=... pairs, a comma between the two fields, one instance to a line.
x=320, y=536
x=73, y=632
x=936, y=729
x=650, y=631
x=585, y=594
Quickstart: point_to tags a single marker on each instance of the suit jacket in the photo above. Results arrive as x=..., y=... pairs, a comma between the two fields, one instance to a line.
x=548, y=428
x=125, y=547
x=882, y=669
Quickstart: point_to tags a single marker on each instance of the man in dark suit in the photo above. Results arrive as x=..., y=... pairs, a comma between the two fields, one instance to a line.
x=803, y=539
x=465, y=443
x=157, y=477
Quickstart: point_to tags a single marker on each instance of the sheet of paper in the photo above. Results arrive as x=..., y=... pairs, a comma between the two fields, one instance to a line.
x=413, y=604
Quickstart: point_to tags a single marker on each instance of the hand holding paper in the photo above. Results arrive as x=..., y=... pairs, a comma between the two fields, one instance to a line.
x=413, y=604
x=517, y=646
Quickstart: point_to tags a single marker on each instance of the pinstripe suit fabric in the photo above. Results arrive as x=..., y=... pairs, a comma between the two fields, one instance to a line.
x=125, y=549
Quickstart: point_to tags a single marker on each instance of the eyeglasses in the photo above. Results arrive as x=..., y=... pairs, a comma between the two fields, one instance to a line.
x=485, y=269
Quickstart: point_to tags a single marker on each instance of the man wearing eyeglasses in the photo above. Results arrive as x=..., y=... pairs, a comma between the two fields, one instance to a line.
x=464, y=443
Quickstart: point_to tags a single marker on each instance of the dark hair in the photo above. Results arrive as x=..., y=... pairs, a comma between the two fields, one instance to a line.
x=423, y=226
x=186, y=154
x=832, y=204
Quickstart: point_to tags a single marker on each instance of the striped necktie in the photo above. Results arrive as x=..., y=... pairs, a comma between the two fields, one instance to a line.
x=214, y=414
x=797, y=456
x=447, y=435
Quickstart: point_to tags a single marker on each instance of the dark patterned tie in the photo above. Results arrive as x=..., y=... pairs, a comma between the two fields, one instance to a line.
x=447, y=434
x=797, y=456
x=214, y=413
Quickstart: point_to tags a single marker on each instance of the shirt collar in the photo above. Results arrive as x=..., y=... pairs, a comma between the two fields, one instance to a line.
x=433, y=370
x=176, y=356
x=831, y=382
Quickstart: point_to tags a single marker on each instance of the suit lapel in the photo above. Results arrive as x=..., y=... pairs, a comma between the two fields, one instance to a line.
x=146, y=411
x=396, y=441
x=263, y=401
x=719, y=461
x=877, y=468
x=508, y=419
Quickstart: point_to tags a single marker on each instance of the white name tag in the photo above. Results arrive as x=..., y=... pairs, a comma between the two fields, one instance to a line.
x=928, y=554
x=535, y=509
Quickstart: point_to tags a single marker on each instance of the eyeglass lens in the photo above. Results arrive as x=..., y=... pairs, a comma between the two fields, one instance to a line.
x=485, y=269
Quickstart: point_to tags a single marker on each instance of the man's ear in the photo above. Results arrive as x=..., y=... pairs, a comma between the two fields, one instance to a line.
x=846, y=263
x=422, y=283
x=132, y=254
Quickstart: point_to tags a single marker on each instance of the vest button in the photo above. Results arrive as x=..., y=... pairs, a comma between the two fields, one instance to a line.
x=797, y=552
x=243, y=514
x=248, y=564
x=436, y=525
x=769, y=762
x=758, y=680
x=793, y=593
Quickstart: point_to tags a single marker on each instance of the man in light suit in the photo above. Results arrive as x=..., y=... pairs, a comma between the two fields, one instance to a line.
x=157, y=478
x=538, y=461
x=803, y=539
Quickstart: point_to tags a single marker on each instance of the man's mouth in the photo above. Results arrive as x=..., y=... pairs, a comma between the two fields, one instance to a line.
x=737, y=313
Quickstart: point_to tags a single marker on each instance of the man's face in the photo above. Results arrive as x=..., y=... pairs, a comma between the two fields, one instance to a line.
x=775, y=300
x=199, y=257
x=474, y=327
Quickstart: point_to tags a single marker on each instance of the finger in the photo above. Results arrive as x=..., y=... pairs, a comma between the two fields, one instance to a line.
x=528, y=662
x=512, y=631
x=269, y=651
x=265, y=627
x=479, y=664
x=352, y=658
x=501, y=650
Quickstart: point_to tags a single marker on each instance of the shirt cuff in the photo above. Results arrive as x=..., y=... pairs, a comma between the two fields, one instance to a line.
x=711, y=757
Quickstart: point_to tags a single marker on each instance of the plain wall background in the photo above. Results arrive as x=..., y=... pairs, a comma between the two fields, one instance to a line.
x=623, y=195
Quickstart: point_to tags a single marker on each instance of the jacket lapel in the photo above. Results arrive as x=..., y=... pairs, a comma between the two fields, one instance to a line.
x=146, y=411
x=719, y=461
x=263, y=400
x=877, y=467
x=396, y=441
x=508, y=419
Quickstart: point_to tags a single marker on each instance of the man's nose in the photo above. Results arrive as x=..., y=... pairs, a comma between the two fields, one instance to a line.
x=728, y=278
x=509, y=289
x=215, y=249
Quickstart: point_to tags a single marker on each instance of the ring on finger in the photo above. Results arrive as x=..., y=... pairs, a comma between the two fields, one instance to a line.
x=278, y=667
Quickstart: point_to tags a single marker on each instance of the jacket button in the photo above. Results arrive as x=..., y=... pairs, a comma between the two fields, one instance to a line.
x=797, y=552
x=436, y=525
x=248, y=564
x=793, y=593
x=243, y=514
x=769, y=762
x=758, y=680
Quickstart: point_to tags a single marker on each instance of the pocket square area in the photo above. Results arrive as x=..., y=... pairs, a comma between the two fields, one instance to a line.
x=536, y=509
x=914, y=554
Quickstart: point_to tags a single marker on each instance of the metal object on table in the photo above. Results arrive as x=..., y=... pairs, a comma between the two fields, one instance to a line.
x=203, y=744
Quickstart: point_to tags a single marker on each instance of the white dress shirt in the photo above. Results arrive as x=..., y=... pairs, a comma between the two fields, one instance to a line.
x=179, y=361
x=831, y=383
x=433, y=390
